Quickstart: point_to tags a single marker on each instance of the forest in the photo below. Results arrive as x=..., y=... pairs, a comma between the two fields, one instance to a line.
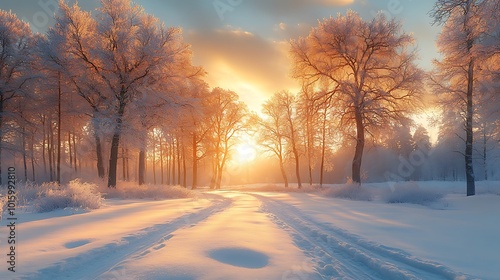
x=114, y=94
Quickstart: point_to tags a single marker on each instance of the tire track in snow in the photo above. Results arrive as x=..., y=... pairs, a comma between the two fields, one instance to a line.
x=109, y=256
x=338, y=254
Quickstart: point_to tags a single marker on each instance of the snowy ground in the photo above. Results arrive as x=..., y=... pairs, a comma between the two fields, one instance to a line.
x=261, y=235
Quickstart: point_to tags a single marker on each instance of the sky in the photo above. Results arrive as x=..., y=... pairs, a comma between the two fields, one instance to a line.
x=243, y=44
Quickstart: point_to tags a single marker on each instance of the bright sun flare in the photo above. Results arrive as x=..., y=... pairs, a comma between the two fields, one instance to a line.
x=246, y=152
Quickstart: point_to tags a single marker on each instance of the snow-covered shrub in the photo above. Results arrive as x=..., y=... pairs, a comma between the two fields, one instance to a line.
x=75, y=194
x=51, y=196
x=410, y=192
x=28, y=191
x=129, y=190
x=350, y=191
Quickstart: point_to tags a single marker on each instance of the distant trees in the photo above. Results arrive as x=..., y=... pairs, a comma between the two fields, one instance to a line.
x=370, y=63
x=466, y=45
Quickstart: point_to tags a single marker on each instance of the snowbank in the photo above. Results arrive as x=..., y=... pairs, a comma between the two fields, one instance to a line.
x=410, y=192
x=350, y=191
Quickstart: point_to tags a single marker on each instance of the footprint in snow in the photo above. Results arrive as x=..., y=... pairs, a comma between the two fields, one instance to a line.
x=240, y=257
x=77, y=243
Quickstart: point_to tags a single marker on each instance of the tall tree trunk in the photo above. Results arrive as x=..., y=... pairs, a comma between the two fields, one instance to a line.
x=59, y=121
x=154, y=159
x=220, y=169
x=323, y=148
x=74, y=152
x=100, y=161
x=360, y=145
x=469, y=120
x=142, y=166
x=309, y=145
x=184, y=171
x=283, y=172
x=127, y=169
x=70, y=150
x=297, y=167
x=213, y=180
x=124, y=171
x=178, y=162
x=485, y=154
x=195, y=162
x=222, y=166
x=173, y=161
x=161, y=161
x=25, y=165
x=50, y=148
x=115, y=143
x=44, y=143
x=469, y=169
x=32, y=150
x=167, y=145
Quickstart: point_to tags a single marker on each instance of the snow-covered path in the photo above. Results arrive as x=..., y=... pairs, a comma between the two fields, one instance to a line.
x=338, y=254
x=222, y=235
x=240, y=242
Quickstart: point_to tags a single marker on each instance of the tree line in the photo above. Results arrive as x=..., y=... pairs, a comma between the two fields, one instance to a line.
x=119, y=89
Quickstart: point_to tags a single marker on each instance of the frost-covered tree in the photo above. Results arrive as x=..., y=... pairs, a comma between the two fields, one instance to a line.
x=71, y=49
x=372, y=65
x=125, y=51
x=195, y=118
x=469, y=27
x=288, y=103
x=16, y=45
x=273, y=130
x=134, y=51
x=227, y=121
x=309, y=115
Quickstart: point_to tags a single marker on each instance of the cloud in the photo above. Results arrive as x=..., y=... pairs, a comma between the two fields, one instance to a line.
x=250, y=65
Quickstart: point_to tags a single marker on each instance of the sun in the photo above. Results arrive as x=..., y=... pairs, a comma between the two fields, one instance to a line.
x=246, y=152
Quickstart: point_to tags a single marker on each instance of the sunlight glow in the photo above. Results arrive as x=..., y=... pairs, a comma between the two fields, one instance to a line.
x=246, y=153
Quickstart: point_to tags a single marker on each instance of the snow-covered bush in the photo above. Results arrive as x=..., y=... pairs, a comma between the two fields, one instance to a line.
x=129, y=190
x=75, y=194
x=349, y=191
x=410, y=192
x=51, y=196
